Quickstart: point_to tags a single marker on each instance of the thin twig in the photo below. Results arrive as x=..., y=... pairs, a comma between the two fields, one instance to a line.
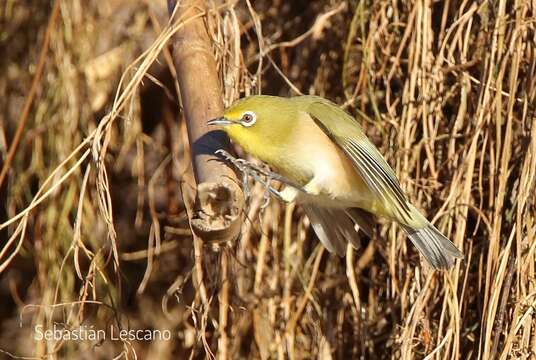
x=31, y=94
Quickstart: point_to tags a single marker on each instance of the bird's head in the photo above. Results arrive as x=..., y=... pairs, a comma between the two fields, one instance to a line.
x=258, y=122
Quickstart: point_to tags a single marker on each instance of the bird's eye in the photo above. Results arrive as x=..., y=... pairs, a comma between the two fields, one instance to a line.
x=248, y=118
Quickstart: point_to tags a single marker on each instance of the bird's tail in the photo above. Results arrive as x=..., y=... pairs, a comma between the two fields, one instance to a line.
x=436, y=248
x=336, y=227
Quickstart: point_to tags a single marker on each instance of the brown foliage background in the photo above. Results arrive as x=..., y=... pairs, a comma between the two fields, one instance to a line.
x=94, y=218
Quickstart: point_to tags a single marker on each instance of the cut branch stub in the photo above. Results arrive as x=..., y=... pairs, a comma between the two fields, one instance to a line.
x=218, y=218
x=218, y=208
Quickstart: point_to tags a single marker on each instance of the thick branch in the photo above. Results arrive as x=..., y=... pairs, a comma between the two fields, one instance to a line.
x=219, y=201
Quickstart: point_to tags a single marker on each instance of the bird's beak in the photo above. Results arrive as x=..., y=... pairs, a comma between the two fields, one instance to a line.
x=220, y=121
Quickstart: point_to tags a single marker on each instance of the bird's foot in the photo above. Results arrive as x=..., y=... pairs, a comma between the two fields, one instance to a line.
x=262, y=176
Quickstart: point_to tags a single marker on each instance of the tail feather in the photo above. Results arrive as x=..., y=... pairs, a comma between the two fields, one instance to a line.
x=334, y=227
x=436, y=248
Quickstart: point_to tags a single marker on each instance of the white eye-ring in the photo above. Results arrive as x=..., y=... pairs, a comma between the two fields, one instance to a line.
x=248, y=118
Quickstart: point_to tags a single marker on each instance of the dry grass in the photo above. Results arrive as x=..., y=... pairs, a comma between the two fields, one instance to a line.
x=94, y=228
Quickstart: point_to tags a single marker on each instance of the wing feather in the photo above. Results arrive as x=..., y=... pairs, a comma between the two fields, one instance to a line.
x=368, y=161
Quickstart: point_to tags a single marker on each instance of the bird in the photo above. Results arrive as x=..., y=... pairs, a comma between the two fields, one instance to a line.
x=333, y=171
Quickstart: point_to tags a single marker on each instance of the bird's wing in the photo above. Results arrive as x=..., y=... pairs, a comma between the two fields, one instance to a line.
x=368, y=161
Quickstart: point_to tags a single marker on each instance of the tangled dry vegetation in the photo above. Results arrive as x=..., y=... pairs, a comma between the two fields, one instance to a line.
x=94, y=218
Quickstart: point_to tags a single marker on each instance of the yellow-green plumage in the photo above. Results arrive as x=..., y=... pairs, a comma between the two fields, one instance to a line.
x=314, y=143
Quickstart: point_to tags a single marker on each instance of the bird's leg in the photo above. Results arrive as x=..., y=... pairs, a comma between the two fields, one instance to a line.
x=288, y=194
x=241, y=163
x=246, y=168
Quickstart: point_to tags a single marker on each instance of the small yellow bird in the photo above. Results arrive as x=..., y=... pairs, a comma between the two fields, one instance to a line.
x=341, y=176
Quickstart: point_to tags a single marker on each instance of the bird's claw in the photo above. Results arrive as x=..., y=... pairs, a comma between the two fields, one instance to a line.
x=257, y=173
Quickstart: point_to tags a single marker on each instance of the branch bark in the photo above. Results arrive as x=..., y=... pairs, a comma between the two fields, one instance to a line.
x=217, y=212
